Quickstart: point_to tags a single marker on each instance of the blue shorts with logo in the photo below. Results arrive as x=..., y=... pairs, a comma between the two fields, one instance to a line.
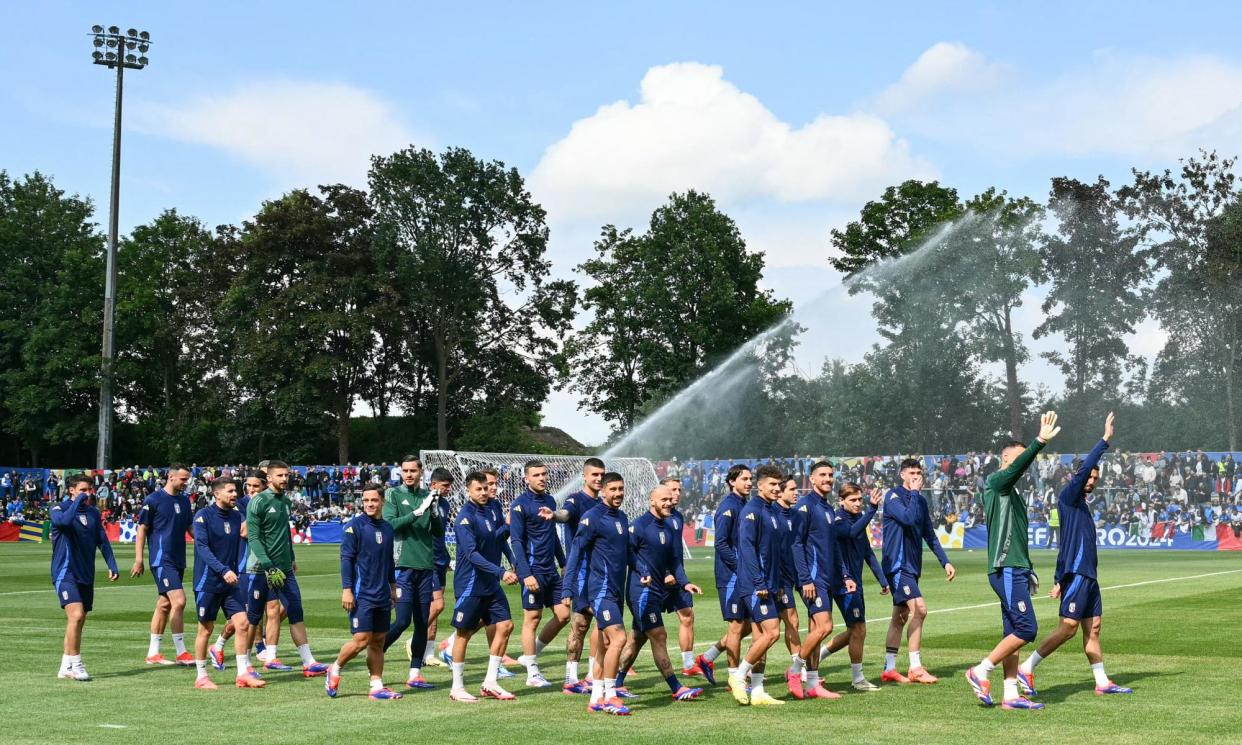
x=416, y=586
x=853, y=607
x=647, y=605
x=786, y=598
x=471, y=610
x=547, y=596
x=374, y=619
x=167, y=578
x=905, y=587
x=761, y=609
x=258, y=593
x=822, y=602
x=677, y=600
x=733, y=607
x=1012, y=586
x=231, y=599
x=70, y=591
x=607, y=613
x=1080, y=597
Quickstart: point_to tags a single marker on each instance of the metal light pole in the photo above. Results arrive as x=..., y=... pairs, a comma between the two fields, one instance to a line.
x=113, y=50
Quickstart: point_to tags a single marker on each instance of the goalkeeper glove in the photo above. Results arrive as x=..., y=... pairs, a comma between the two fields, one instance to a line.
x=275, y=578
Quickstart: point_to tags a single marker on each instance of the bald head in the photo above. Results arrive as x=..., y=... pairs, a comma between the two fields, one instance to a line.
x=661, y=501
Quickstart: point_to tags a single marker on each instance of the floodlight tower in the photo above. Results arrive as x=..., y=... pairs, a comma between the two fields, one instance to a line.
x=114, y=50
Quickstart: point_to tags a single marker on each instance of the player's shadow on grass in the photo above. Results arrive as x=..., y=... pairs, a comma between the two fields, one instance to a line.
x=1059, y=693
x=137, y=671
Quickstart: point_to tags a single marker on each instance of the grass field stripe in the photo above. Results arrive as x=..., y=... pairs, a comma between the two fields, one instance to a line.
x=99, y=586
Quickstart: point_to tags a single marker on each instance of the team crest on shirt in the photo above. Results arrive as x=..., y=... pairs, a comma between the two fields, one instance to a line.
x=619, y=530
x=1073, y=607
x=228, y=529
x=774, y=525
x=82, y=519
x=662, y=539
x=177, y=508
x=1022, y=606
x=379, y=537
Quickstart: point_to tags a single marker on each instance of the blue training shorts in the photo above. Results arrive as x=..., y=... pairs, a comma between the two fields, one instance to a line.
x=1080, y=597
x=1012, y=586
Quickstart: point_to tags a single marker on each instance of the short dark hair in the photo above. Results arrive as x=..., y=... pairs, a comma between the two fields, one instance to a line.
x=1012, y=444
x=736, y=470
x=375, y=487
x=911, y=463
x=476, y=477
x=532, y=465
x=489, y=471
x=440, y=475
x=669, y=480
x=81, y=478
x=218, y=485
x=277, y=464
x=848, y=489
x=257, y=475
x=177, y=467
x=821, y=464
x=592, y=463
x=768, y=471
x=612, y=476
x=785, y=481
x=411, y=459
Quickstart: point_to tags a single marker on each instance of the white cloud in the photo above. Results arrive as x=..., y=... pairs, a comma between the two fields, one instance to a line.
x=297, y=132
x=691, y=128
x=946, y=67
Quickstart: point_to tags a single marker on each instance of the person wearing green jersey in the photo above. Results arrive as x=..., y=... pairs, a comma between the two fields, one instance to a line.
x=1009, y=566
x=271, y=568
x=413, y=514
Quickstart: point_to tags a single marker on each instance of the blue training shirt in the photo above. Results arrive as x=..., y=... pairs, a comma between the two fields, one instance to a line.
x=77, y=531
x=784, y=543
x=1078, y=552
x=758, y=561
x=907, y=526
x=577, y=505
x=167, y=518
x=217, y=547
x=536, y=549
x=367, y=565
x=656, y=544
x=725, y=522
x=479, y=545
x=603, y=546
x=854, y=542
x=816, y=550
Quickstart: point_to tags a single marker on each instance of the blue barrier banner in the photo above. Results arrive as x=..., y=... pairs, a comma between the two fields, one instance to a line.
x=329, y=531
x=1107, y=536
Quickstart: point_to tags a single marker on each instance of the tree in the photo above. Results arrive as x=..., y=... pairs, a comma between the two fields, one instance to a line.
x=667, y=305
x=303, y=309
x=1095, y=298
x=51, y=294
x=463, y=236
x=1190, y=226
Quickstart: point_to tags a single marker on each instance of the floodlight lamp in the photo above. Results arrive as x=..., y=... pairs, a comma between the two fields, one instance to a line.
x=98, y=56
x=97, y=29
x=114, y=30
x=99, y=42
x=143, y=47
x=143, y=61
x=144, y=36
x=131, y=44
x=112, y=43
x=131, y=59
x=110, y=56
x=133, y=32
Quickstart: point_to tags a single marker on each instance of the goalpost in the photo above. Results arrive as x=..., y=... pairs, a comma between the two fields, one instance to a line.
x=564, y=476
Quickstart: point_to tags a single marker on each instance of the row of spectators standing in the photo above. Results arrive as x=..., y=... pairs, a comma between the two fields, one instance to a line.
x=1136, y=490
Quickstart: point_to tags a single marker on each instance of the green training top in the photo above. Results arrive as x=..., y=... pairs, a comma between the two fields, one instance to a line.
x=267, y=532
x=1006, y=513
x=415, y=526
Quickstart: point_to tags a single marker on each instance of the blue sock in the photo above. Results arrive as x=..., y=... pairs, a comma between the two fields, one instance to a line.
x=673, y=683
x=621, y=678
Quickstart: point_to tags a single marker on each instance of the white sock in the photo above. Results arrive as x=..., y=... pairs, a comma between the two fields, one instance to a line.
x=458, y=669
x=798, y=664
x=65, y=662
x=824, y=651
x=610, y=689
x=712, y=653
x=154, y=647
x=1031, y=663
x=528, y=661
x=334, y=669
x=201, y=665
x=856, y=669
x=269, y=653
x=756, y=683
x=1101, y=678
x=812, y=678
x=743, y=669
x=305, y=653
x=243, y=663
x=431, y=653
x=571, y=671
x=687, y=660
x=75, y=660
x=597, y=690
x=179, y=643
x=732, y=671
x=376, y=684
x=983, y=668
x=415, y=672
x=493, y=667
x=1011, y=689
x=219, y=644
x=450, y=641
x=539, y=646
x=890, y=661
x=916, y=660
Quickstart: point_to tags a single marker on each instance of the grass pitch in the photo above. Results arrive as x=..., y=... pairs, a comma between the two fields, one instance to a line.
x=1171, y=631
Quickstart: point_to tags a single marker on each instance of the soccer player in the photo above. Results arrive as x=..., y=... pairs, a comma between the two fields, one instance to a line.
x=602, y=545
x=1009, y=566
x=538, y=560
x=440, y=558
x=217, y=540
x=816, y=556
x=1076, y=579
x=368, y=590
x=164, y=520
x=254, y=483
x=854, y=544
x=732, y=605
x=907, y=526
x=758, y=580
x=77, y=531
x=786, y=607
x=271, y=567
x=573, y=588
x=415, y=519
x=476, y=585
x=658, y=572
x=681, y=602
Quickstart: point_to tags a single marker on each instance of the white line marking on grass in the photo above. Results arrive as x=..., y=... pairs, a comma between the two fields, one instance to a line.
x=114, y=726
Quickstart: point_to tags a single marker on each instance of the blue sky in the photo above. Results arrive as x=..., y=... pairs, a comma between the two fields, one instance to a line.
x=791, y=114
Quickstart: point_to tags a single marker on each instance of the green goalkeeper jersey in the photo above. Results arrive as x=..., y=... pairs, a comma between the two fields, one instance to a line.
x=415, y=526
x=1006, y=513
x=267, y=533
